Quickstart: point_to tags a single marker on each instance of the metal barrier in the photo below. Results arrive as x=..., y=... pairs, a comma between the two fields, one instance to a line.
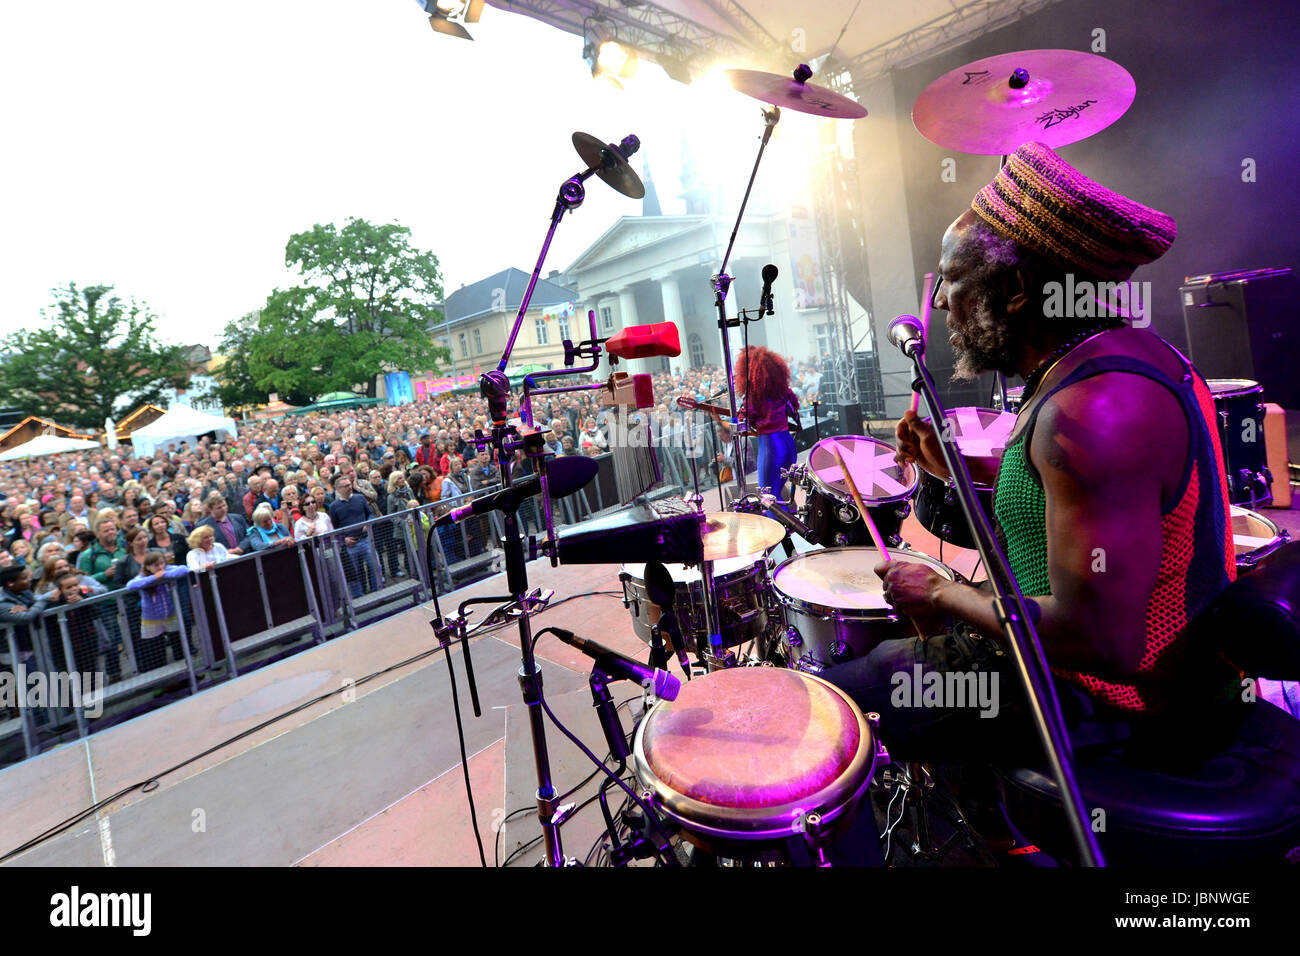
x=306, y=593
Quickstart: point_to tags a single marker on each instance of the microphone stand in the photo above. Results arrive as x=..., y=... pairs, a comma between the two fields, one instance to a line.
x=1017, y=626
x=505, y=439
x=722, y=283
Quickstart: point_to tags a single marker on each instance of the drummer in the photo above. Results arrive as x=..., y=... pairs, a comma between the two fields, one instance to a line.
x=1110, y=500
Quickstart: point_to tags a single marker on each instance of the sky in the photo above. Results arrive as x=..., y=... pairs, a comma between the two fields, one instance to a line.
x=170, y=149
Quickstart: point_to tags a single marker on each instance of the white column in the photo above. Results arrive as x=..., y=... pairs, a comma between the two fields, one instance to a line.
x=673, y=313
x=627, y=317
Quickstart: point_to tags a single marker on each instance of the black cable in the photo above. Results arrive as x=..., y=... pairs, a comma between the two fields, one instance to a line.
x=455, y=697
x=651, y=816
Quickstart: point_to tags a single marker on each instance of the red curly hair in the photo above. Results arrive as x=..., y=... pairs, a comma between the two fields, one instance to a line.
x=762, y=372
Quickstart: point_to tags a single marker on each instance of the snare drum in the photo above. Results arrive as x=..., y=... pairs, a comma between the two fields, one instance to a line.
x=1240, y=406
x=757, y=763
x=885, y=486
x=1254, y=537
x=834, y=604
x=741, y=585
x=981, y=435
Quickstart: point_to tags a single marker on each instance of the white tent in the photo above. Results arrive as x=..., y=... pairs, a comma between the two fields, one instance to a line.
x=180, y=423
x=46, y=445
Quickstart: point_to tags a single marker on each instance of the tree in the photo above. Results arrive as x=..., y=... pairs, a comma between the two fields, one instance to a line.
x=366, y=299
x=90, y=352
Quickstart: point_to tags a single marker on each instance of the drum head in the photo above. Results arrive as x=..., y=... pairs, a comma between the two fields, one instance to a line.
x=840, y=579
x=981, y=432
x=1251, y=531
x=742, y=754
x=1228, y=387
x=876, y=475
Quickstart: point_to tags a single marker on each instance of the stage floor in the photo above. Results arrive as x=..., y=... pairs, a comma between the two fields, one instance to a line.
x=367, y=777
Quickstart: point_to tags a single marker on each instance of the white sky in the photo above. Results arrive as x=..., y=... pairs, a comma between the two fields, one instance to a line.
x=171, y=148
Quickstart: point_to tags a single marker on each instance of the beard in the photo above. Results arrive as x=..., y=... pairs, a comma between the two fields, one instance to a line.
x=985, y=342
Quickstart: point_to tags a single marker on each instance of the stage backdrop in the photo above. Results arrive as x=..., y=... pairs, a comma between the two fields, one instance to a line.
x=1216, y=87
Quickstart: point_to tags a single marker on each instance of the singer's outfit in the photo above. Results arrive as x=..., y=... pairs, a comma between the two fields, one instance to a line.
x=769, y=420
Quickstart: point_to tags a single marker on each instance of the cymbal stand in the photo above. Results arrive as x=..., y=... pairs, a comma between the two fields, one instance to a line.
x=722, y=283
x=506, y=439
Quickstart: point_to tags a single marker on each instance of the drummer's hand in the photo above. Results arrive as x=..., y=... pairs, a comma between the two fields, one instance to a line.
x=911, y=588
x=918, y=442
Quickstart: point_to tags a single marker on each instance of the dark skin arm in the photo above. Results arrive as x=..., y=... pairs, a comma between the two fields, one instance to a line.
x=1107, y=456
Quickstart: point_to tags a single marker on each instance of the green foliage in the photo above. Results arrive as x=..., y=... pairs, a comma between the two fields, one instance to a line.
x=90, y=357
x=363, y=305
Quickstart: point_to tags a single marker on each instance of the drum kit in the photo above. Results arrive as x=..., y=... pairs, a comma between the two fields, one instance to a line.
x=757, y=757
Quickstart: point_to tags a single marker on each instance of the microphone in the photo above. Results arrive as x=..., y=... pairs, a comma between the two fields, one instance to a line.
x=621, y=667
x=765, y=298
x=905, y=332
x=566, y=475
x=663, y=592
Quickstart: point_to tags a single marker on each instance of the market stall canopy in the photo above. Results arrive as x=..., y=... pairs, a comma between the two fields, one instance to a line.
x=180, y=424
x=47, y=445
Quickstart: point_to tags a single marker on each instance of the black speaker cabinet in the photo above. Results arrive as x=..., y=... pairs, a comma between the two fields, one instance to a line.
x=1243, y=325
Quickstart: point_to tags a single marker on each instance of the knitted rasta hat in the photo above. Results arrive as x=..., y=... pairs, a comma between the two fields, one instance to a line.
x=1045, y=204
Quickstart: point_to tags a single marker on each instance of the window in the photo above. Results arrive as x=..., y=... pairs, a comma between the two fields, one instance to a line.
x=464, y=346
x=606, y=318
x=697, y=349
x=688, y=305
x=478, y=342
x=824, y=339
x=564, y=328
x=542, y=338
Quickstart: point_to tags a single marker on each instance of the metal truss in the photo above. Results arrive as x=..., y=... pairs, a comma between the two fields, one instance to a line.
x=830, y=186
x=933, y=37
x=681, y=45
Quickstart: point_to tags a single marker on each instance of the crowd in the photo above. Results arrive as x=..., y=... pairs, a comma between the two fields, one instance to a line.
x=79, y=524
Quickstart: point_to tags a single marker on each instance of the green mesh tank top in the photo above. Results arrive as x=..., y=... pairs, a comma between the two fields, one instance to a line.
x=1197, y=557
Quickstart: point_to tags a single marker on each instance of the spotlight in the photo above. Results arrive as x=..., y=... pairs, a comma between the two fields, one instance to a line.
x=450, y=16
x=608, y=59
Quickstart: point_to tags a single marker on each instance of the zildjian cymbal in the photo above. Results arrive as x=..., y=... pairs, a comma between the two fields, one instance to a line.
x=992, y=106
x=610, y=162
x=796, y=94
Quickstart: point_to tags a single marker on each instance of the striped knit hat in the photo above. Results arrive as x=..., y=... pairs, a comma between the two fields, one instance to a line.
x=1045, y=204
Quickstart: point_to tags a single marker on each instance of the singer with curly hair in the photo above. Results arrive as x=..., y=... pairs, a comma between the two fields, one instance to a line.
x=763, y=378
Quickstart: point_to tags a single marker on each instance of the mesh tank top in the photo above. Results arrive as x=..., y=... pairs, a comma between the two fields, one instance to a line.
x=1197, y=559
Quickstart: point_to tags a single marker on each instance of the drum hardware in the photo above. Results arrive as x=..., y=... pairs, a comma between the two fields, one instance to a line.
x=981, y=435
x=1240, y=407
x=885, y=487
x=1254, y=537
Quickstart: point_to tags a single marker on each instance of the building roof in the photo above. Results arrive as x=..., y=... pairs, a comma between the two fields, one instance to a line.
x=502, y=292
x=56, y=428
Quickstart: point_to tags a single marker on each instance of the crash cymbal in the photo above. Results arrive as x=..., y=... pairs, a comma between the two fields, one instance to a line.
x=731, y=535
x=610, y=162
x=992, y=106
x=794, y=93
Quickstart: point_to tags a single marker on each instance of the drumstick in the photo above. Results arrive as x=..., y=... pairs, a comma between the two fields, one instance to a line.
x=866, y=519
x=926, y=296
x=857, y=500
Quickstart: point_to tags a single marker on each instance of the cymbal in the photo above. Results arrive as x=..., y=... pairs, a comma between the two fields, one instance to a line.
x=794, y=94
x=610, y=162
x=992, y=106
x=731, y=535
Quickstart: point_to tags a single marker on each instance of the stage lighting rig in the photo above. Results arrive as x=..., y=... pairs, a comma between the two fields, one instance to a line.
x=450, y=16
